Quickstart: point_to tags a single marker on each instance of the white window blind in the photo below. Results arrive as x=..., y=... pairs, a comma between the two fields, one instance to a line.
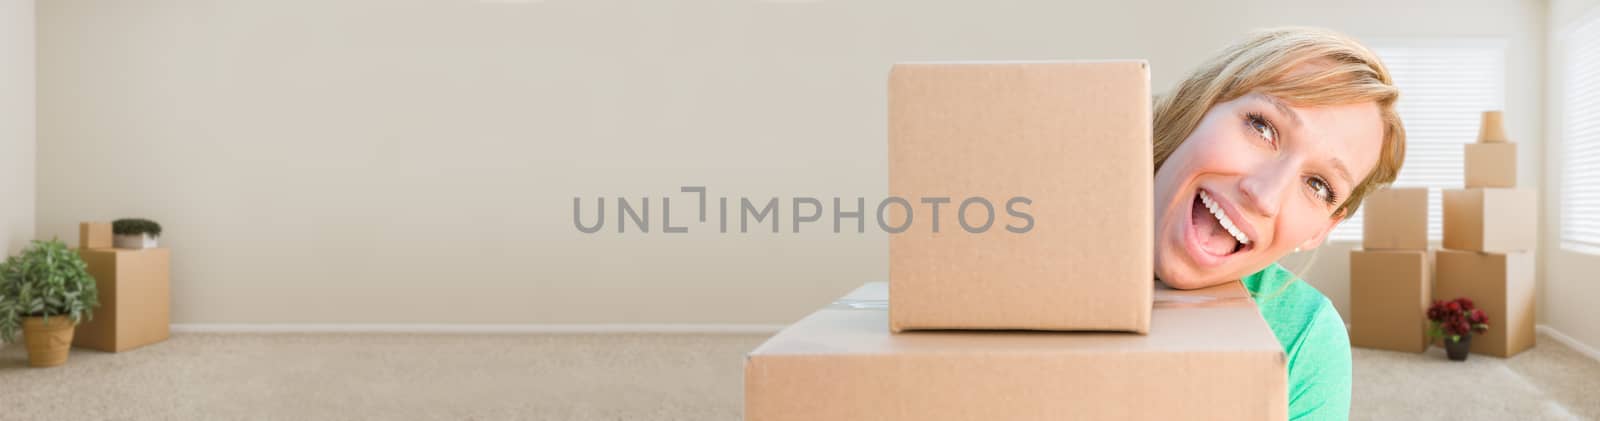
x=1445, y=86
x=1580, y=128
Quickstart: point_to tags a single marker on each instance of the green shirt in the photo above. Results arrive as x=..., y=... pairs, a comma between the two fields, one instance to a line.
x=1313, y=338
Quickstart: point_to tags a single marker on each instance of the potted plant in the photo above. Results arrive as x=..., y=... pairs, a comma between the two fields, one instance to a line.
x=135, y=233
x=44, y=293
x=1455, y=321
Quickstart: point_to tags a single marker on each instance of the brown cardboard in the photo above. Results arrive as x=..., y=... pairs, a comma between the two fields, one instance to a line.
x=1395, y=218
x=1492, y=128
x=1490, y=219
x=1072, y=137
x=1491, y=165
x=1502, y=284
x=1389, y=298
x=94, y=235
x=1209, y=355
x=135, y=298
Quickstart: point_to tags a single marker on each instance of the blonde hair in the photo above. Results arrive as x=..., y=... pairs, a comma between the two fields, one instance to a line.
x=1268, y=62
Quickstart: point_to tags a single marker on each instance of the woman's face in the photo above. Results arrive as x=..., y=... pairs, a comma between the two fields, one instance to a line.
x=1255, y=180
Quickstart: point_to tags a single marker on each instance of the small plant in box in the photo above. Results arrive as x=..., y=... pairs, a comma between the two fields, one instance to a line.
x=1455, y=321
x=44, y=293
x=135, y=233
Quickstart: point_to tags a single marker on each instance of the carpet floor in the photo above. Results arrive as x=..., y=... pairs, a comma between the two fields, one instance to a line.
x=620, y=376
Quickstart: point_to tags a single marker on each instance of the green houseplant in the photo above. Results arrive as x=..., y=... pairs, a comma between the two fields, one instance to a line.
x=44, y=293
x=135, y=233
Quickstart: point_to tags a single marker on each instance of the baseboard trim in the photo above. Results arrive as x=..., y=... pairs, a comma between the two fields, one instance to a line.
x=697, y=328
x=1569, y=341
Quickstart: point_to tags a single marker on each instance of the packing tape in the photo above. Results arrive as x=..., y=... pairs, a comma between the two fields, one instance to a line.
x=857, y=304
x=1166, y=297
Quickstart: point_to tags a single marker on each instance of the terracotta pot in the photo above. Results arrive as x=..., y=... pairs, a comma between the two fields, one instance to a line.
x=1457, y=351
x=48, y=342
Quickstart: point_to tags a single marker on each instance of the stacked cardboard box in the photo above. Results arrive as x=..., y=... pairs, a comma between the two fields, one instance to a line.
x=1490, y=233
x=1389, y=282
x=1209, y=355
x=134, y=290
x=1502, y=285
x=1067, y=302
x=94, y=235
x=1073, y=139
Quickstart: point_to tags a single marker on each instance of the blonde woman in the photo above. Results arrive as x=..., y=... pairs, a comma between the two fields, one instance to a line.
x=1259, y=154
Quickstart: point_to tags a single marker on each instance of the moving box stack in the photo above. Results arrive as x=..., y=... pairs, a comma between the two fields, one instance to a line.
x=1059, y=320
x=1490, y=231
x=1489, y=237
x=134, y=287
x=1389, y=282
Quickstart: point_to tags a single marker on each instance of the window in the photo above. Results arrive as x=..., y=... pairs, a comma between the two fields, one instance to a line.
x=1580, y=135
x=1445, y=86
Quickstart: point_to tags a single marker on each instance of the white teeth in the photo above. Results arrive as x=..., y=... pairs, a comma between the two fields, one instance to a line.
x=1222, y=218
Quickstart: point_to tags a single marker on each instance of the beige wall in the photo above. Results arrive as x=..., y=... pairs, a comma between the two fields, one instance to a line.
x=375, y=161
x=16, y=125
x=1568, y=303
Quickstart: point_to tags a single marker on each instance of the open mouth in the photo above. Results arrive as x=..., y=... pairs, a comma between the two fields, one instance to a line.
x=1214, y=233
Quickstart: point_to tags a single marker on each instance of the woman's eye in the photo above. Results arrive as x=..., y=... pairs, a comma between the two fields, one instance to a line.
x=1263, y=128
x=1321, y=189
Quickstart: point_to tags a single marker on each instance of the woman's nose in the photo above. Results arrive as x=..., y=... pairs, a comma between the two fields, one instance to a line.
x=1262, y=190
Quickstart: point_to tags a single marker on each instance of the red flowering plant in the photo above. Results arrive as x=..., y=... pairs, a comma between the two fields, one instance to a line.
x=1454, y=318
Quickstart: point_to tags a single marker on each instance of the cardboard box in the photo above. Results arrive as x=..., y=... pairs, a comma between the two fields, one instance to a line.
x=1491, y=165
x=1491, y=219
x=1390, y=291
x=135, y=299
x=1395, y=219
x=1072, y=139
x=1209, y=355
x=94, y=235
x=1502, y=284
x=1492, y=128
